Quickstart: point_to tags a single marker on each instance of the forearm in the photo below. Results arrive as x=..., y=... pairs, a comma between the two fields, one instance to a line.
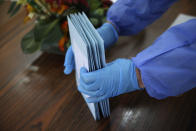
x=139, y=79
x=168, y=67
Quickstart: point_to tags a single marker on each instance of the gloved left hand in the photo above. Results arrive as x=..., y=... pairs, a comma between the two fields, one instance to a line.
x=116, y=78
x=108, y=34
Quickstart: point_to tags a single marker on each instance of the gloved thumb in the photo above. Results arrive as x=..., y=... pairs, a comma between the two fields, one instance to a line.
x=108, y=34
x=69, y=61
x=83, y=70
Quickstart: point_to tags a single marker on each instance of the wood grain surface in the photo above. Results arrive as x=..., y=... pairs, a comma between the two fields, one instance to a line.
x=12, y=29
x=41, y=97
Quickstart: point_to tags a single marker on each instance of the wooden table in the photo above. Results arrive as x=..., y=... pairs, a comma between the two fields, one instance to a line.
x=41, y=97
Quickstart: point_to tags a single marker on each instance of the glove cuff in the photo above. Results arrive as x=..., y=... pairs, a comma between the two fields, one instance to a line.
x=127, y=77
x=108, y=33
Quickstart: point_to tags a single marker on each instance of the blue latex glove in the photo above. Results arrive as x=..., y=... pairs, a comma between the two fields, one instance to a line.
x=118, y=77
x=108, y=34
x=69, y=61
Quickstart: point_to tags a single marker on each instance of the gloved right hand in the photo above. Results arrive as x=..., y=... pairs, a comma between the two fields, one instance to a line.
x=100, y=84
x=108, y=34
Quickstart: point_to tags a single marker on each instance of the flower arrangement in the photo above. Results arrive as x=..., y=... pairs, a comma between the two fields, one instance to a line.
x=50, y=32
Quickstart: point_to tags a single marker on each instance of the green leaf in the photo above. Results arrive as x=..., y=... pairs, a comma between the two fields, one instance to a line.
x=42, y=30
x=94, y=21
x=50, y=42
x=15, y=10
x=104, y=20
x=68, y=44
x=28, y=43
x=94, y=4
x=99, y=12
x=12, y=6
x=35, y=5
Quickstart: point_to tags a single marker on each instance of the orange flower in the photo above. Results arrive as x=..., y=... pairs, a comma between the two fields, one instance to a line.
x=54, y=10
x=29, y=8
x=64, y=27
x=27, y=18
x=62, y=9
x=62, y=42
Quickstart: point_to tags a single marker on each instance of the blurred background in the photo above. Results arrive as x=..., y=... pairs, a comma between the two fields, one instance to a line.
x=36, y=95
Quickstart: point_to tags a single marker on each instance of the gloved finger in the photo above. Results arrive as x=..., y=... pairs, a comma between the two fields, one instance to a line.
x=108, y=34
x=87, y=77
x=94, y=99
x=90, y=87
x=109, y=64
x=83, y=90
x=69, y=57
x=69, y=61
x=68, y=69
x=100, y=31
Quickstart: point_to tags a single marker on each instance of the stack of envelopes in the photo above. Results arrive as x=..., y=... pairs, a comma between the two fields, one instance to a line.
x=88, y=48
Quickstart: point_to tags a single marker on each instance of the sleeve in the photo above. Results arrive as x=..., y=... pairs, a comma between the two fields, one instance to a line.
x=131, y=16
x=168, y=67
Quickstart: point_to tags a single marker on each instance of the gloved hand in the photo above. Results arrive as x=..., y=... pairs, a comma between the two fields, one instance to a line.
x=108, y=34
x=116, y=78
